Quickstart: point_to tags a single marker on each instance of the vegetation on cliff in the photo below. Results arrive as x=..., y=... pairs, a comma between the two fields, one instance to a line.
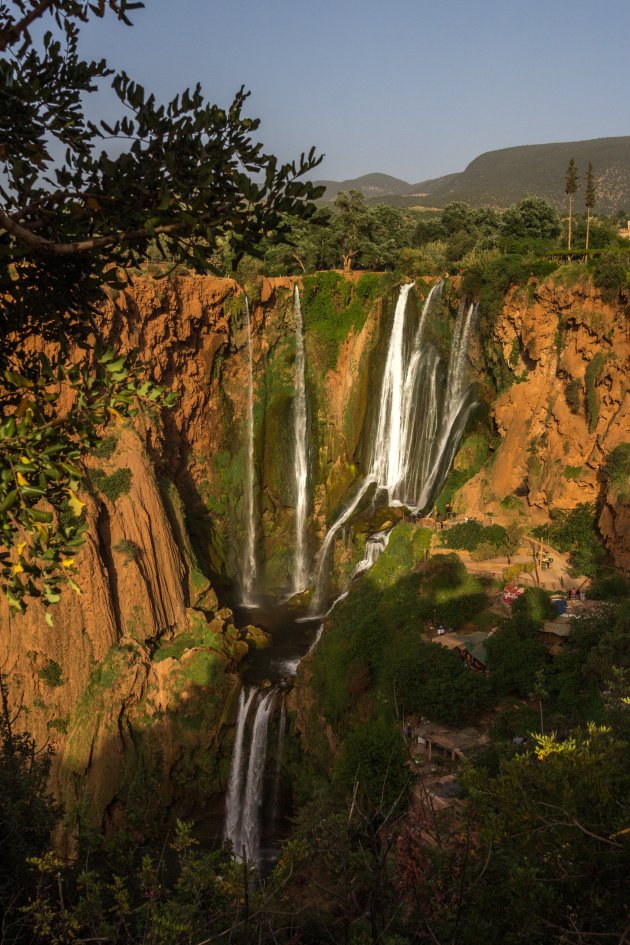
x=74, y=223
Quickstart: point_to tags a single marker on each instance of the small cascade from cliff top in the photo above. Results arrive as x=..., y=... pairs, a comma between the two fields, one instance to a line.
x=300, y=435
x=254, y=785
x=248, y=582
x=234, y=795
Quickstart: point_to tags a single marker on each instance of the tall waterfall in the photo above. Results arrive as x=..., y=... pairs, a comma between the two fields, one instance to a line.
x=300, y=431
x=234, y=791
x=418, y=427
x=244, y=796
x=249, y=563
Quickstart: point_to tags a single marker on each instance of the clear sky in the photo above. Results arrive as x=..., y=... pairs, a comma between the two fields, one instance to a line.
x=412, y=88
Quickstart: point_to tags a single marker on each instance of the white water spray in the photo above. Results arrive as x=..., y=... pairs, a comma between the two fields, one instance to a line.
x=417, y=430
x=253, y=797
x=233, y=796
x=300, y=430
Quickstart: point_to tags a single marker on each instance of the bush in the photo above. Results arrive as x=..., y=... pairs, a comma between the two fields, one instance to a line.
x=575, y=533
x=467, y=536
x=610, y=273
x=373, y=762
x=432, y=681
x=610, y=587
x=112, y=487
x=51, y=674
x=617, y=471
x=533, y=607
x=486, y=550
x=515, y=655
x=573, y=394
x=591, y=378
x=127, y=548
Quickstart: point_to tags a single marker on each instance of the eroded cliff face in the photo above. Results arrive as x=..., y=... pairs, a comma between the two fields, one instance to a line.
x=134, y=686
x=565, y=412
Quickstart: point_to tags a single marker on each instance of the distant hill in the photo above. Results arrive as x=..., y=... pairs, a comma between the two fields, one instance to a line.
x=500, y=178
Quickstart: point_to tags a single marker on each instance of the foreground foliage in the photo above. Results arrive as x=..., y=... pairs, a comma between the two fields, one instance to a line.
x=81, y=204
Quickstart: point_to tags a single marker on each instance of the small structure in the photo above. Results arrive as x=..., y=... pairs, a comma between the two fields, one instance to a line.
x=446, y=742
x=470, y=647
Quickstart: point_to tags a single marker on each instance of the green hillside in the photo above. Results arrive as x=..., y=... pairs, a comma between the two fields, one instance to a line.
x=500, y=178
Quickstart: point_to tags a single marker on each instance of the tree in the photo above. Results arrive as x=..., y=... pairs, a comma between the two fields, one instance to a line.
x=589, y=199
x=532, y=218
x=570, y=187
x=513, y=539
x=352, y=226
x=180, y=177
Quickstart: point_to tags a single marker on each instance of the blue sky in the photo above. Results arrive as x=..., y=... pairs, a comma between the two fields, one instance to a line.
x=407, y=87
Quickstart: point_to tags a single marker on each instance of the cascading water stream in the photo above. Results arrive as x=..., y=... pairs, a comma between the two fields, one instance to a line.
x=253, y=796
x=300, y=430
x=457, y=405
x=233, y=796
x=244, y=796
x=249, y=563
x=282, y=726
x=390, y=457
x=374, y=547
x=417, y=431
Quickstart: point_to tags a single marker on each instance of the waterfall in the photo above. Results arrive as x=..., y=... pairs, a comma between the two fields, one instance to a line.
x=234, y=792
x=249, y=563
x=385, y=462
x=457, y=406
x=417, y=428
x=374, y=547
x=300, y=430
x=253, y=795
x=282, y=725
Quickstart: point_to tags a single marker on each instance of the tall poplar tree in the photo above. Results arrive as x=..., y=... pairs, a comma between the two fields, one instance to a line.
x=570, y=187
x=589, y=199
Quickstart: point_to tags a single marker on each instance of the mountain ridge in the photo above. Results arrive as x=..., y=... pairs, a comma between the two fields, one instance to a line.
x=502, y=177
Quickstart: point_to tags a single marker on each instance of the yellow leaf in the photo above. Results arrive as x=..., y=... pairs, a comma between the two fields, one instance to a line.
x=17, y=568
x=118, y=416
x=21, y=547
x=21, y=480
x=26, y=460
x=67, y=562
x=75, y=503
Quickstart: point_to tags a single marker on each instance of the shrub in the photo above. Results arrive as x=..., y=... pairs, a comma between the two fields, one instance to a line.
x=534, y=607
x=611, y=587
x=573, y=472
x=127, y=548
x=485, y=550
x=112, y=486
x=575, y=533
x=514, y=657
x=106, y=447
x=610, y=273
x=51, y=674
x=617, y=470
x=468, y=535
x=591, y=378
x=573, y=394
